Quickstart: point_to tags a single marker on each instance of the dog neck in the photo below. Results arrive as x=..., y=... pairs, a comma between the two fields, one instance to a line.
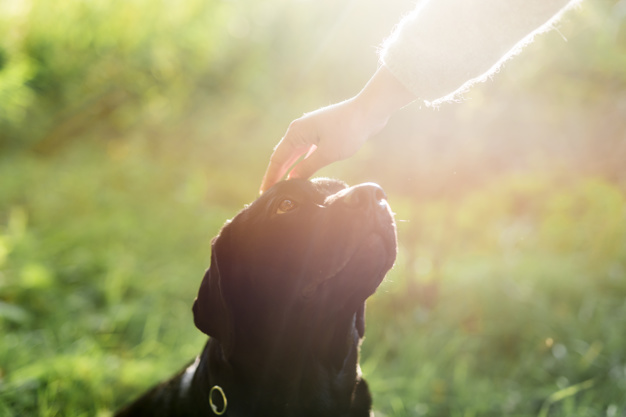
x=280, y=383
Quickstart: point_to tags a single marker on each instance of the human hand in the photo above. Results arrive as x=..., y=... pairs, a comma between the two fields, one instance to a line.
x=324, y=136
x=336, y=132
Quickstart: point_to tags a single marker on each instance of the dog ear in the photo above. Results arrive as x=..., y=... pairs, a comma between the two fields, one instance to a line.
x=360, y=320
x=211, y=313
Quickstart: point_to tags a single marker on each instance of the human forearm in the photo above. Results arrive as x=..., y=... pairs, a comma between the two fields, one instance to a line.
x=446, y=45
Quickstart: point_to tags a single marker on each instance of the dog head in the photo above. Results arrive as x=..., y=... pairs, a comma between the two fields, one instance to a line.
x=292, y=271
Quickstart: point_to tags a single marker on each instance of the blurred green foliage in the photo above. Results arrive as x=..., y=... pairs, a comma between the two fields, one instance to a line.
x=131, y=130
x=500, y=309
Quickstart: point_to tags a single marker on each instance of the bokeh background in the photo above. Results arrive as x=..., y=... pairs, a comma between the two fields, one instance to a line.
x=131, y=130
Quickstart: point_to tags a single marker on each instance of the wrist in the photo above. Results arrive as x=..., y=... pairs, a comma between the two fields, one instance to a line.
x=381, y=97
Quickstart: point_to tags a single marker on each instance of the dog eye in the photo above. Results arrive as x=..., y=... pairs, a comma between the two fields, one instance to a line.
x=285, y=206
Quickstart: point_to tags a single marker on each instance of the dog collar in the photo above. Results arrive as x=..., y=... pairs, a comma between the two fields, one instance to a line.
x=220, y=392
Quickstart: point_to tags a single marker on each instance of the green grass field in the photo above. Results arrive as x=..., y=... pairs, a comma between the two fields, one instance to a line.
x=508, y=301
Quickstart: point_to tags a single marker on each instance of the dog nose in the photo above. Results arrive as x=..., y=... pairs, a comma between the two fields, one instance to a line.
x=364, y=195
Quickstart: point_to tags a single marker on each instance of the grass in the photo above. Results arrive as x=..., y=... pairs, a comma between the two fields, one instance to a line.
x=509, y=300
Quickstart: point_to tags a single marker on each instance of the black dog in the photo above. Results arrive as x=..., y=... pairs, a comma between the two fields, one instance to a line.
x=284, y=304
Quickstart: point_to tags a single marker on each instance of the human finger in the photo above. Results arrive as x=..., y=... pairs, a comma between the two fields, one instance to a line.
x=283, y=157
x=312, y=163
